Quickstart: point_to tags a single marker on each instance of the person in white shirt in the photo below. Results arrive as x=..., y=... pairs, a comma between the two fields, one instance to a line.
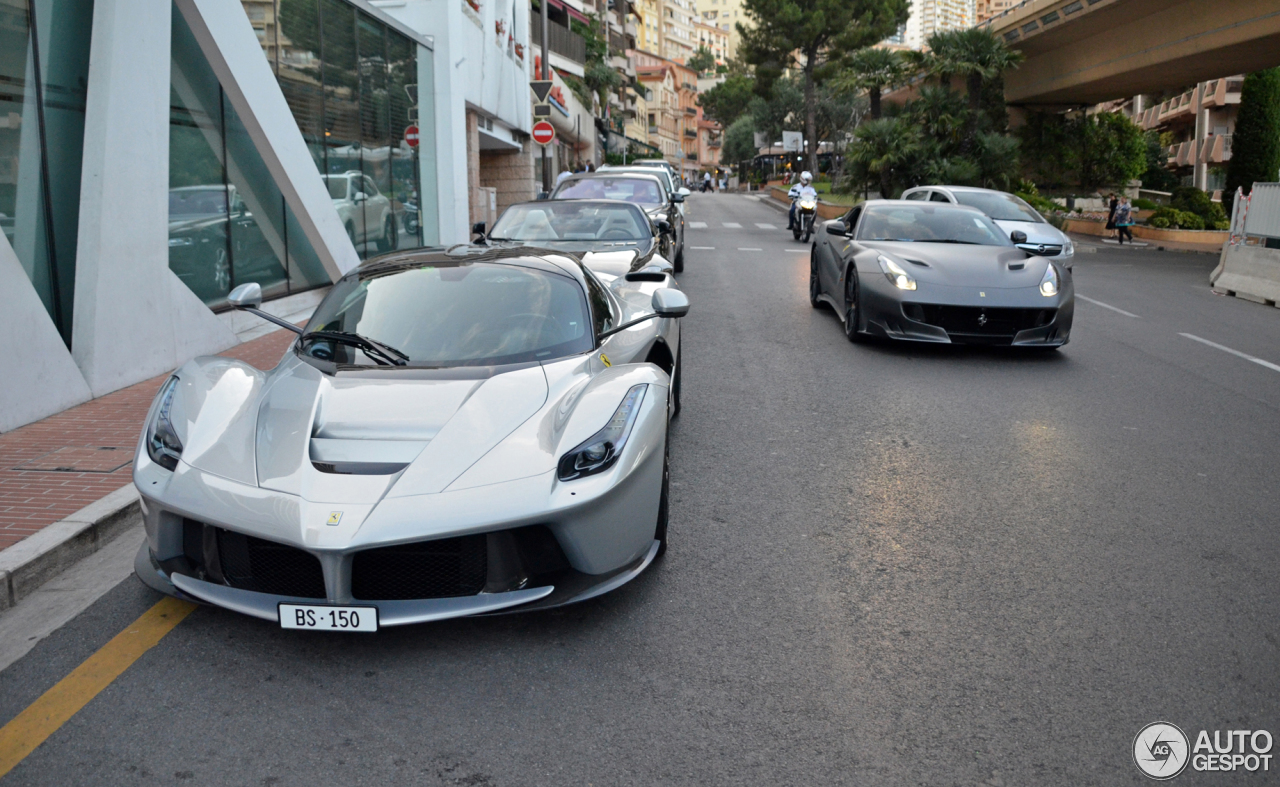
x=804, y=188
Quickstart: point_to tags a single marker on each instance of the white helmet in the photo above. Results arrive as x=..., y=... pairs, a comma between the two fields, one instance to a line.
x=805, y=177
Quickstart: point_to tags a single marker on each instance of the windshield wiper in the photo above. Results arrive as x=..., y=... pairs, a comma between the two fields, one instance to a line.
x=383, y=353
x=949, y=240
x=903, y=240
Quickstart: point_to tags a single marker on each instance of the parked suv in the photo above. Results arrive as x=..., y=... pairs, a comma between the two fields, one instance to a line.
x=1009, y=213
x=365, y=211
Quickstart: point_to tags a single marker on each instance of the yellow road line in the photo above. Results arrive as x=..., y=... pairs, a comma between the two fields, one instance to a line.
x=56, y=706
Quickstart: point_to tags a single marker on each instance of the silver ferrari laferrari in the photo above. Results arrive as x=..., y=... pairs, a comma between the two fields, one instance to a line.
x=455, y=432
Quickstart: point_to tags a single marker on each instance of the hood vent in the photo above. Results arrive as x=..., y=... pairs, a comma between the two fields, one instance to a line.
x=363, y=457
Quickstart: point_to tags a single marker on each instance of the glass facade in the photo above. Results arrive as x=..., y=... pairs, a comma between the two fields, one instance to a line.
x=44, y=74
x=351, y=84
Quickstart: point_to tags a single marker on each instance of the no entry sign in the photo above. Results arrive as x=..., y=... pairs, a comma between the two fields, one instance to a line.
x=543, y=133
x=411, y=136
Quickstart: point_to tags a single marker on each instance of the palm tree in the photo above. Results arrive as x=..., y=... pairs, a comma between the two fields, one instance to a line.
x=872, y=69
x=883, y=151
x=975, y=54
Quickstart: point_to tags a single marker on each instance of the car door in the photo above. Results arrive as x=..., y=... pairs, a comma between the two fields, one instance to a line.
x=837, y=259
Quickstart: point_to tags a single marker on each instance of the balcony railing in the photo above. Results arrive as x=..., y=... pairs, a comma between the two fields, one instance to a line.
x=561, y=40
x=691, y=133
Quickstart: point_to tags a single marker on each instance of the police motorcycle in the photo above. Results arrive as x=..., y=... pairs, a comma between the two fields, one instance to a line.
x=804, y=207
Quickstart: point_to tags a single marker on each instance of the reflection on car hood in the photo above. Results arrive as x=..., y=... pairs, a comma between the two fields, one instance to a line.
x=191, y=222
x=962, y=265
x=1037, y=231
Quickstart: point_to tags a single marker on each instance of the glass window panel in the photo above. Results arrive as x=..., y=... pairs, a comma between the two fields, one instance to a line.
x=256, y=212
x=402, y=88
x=305, y=269
x=299, y=71
x=342, y=108
x=375, y=136
x=198, y=201
x=425, y=171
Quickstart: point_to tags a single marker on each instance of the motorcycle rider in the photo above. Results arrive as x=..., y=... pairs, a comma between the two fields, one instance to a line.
x=804, y=188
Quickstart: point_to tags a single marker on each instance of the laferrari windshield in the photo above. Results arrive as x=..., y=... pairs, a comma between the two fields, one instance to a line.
x=552, y=220
x=467, y=314
x=928, y=223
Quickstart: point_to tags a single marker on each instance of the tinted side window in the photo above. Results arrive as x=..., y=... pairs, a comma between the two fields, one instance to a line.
x=917, y=195
x=938, y=196
x=851, y=218
x=601, y=310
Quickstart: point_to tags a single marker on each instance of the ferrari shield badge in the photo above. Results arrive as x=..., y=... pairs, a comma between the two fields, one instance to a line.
x=334, y=517
x=604, y=359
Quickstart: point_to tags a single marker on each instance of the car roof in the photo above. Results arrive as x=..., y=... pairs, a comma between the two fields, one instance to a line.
x=585, y=200
x=614, y=174
x=917, y=203
x=959, y=188
x=468, y=253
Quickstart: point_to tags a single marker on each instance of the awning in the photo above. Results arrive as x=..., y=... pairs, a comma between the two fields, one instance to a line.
x=568, y=9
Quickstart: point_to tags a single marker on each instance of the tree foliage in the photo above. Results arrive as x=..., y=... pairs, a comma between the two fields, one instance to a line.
x=702, y=60
x=1255, y=145
x=1106, y=149
x=812, y=36
x=729, y=100
x=739, y=141
x=872, y=70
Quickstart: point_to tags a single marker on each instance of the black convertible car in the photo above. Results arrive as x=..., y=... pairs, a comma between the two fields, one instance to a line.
x=935, y=272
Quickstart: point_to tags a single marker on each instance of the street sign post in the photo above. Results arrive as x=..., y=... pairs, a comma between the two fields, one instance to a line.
x=544, y=133
x=411, y=136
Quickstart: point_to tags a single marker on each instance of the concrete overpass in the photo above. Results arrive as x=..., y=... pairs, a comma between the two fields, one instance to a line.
x=1083, y=52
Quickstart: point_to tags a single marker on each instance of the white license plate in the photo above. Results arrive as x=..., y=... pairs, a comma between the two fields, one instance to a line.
x=326, y=618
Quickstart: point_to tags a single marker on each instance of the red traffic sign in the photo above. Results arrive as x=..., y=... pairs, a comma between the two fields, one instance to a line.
x=544, y=133
x=411, y=136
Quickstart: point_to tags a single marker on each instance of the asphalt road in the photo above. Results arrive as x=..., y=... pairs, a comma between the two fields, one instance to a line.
x=888, y=565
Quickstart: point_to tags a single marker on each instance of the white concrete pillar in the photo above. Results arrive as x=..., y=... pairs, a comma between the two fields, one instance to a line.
x=1200, y=170
x=39, y=377
x=133, y=317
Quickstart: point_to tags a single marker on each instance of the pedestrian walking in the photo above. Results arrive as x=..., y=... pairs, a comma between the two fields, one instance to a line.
x=1124, y=220
x=1111, y=214
x=706, y=182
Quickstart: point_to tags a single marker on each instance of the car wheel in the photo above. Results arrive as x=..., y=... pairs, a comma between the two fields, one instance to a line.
x=221, y=272
x=388, y=241
x=851, y=304
x=664, y=508
x=815, y=284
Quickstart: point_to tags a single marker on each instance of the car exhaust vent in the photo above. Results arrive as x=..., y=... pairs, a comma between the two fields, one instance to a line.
x=443, y=568
x=215, y=554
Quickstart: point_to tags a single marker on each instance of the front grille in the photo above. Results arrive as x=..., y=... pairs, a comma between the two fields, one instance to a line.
x=250, y=563
x=980, y=323
x=1042, y=249
x=442, y=568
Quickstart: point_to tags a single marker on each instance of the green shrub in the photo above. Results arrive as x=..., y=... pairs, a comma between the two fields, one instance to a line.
x=1159, y=222
x=1224, y=224
x=1145, y=204
x=1189, y=221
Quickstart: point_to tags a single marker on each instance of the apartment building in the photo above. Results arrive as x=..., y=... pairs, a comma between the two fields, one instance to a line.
x=986, y=9
x=714, y=39
x=662, y=108
x=934, y=16
x=725, y=16
x=1197, y=124
x=679, y=36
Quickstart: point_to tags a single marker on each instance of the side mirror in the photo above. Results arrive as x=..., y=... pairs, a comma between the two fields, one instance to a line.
x=683, y=192
x=246, y=296
x=669, y=302
x=360, y=197
x=679, y=195
x=837, y=228
x=477, y=228
x=1018, y=236
x=663, y=226
x=543, y=195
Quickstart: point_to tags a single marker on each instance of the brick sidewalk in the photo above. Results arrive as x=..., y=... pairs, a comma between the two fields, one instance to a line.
x=52, y=468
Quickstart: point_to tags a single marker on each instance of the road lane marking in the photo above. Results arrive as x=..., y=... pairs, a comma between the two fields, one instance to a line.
x=55, y=707
x=1108, y=306
x=697, y=225
x=798, y=251
x=765, y=226
x=1273, y=367
x=749, y=249
x=731, y=225
x=703, y=248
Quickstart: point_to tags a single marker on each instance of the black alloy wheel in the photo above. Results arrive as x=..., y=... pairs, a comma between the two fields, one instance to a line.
x=851, y=304
x=815, y=284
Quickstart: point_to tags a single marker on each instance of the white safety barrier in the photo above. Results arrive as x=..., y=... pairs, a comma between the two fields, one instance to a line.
x=1250, y=271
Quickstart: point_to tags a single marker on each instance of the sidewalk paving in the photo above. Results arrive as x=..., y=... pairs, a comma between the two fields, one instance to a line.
x=52, y=468
x=1152, y=245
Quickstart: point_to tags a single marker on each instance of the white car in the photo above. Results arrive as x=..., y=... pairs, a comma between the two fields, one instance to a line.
x=1009, y=213
x=365, y=212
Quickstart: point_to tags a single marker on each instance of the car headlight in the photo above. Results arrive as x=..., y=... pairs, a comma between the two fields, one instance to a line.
x=808, y=204
x=163, y=445
x=900, y=278
x=1049, y=284
x=1068, y=248
x=599, y=451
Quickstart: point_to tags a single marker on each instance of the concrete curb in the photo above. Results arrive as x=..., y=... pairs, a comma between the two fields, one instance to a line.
x=30, y=563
